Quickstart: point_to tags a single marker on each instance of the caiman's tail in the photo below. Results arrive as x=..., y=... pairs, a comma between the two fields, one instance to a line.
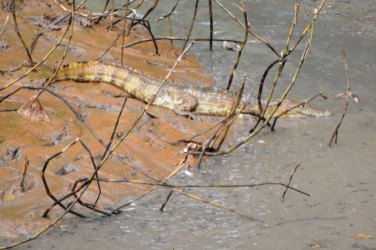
x=129, y=80
x=85, y=72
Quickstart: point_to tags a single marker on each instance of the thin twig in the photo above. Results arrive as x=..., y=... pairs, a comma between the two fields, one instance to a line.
x=290, y=180
x=26, y=165
x=347, y=96
x=242, y=46
x=5, y=24
x=192, y=24
x=174, y=38
x=211, y=27
x=20, y=37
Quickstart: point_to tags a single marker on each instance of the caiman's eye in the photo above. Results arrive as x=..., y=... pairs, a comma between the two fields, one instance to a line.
x=303, y=105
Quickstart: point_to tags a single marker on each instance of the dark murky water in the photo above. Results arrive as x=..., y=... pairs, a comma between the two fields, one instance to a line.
x=341, y=180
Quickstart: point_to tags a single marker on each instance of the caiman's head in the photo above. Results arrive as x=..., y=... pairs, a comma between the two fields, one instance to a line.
x=303, y=110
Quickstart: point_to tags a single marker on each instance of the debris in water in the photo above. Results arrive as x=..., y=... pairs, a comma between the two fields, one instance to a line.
x=231, y=46
x=362, y=236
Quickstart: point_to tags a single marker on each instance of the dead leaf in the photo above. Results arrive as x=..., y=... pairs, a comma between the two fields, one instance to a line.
x=356, y=98
x=315, y=246
x=362, y=236
x=343, y=94
x=231, y=46
x=33, y=109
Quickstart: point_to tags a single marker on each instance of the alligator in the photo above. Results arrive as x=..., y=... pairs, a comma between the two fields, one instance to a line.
x=183, y=100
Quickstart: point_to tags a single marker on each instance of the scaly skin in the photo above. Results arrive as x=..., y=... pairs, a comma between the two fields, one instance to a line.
x=181, y=99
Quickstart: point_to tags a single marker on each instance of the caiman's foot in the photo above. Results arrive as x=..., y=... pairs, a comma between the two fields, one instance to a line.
x=187, y=114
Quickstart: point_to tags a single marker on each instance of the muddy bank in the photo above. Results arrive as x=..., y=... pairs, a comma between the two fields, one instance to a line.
x=147, y=149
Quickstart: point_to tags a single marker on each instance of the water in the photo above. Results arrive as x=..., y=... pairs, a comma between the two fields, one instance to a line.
x=340, y=180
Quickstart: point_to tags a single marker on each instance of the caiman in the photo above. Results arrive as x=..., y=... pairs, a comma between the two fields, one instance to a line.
x=183, y=100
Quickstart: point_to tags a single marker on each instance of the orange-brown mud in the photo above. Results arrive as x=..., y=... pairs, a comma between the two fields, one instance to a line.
x=147, y=148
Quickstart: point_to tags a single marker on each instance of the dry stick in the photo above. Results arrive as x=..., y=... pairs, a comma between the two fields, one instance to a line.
x=132, y=22
x=242, y=46
x=112, y=44
x=175, y=38
x=211, y=29
x=197, y=198
x=291, y=176
x=125, y=46
x=84, y=204
x=170, y=13
x=26, y=165
x=147, y=13
x=20, y=37
x=112, y=13
x=295, y=106
x=59, y=20
x=123, y=34
x=165, y=202
x=5, y=24
x=191, y=139
x=146, y=23
x=250, y=31
x=8, y=110
x=192, y=24
x=261, y=87
x=104, y=10
x=253, y=185
x=34, y=41
x=222, y=130
x=335, y=132
x=46, y=186
x=147, y=26
x=293, y=81
x=96, y=16
x=170, y=30
x=115, y=127
x=89, y=206
x=96, y=174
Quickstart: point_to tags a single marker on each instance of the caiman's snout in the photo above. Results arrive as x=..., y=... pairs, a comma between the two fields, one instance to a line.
x=303, y=110
x=309, y=111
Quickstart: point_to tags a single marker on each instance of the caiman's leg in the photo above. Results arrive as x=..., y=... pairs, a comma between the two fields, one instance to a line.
x=187, y=106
